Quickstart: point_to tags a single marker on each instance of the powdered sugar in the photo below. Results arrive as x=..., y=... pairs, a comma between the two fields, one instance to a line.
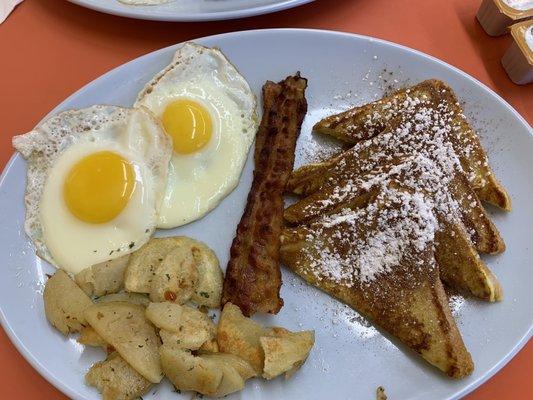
x=425, y=132
x=362, y=244
x=427, y=112
x=422, y=149
x=415, y=172
x=408, y=151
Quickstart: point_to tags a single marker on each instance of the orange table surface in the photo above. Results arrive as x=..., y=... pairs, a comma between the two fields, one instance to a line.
x=51, y=48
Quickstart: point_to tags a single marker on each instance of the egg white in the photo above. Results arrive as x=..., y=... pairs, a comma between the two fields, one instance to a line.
x=55, y=146
x=198, y=182
x=76, y=244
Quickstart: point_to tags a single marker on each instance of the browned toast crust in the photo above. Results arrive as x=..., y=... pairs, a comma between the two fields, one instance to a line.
x=352, y=181
x=362, y=123
x=459, y=263
x=408, y=301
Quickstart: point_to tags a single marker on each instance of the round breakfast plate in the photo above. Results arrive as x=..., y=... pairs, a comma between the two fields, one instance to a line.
x=191, y=10
x=350, y=358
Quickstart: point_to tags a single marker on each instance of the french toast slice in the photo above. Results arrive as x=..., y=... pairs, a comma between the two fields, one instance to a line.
x=379, y=260
x=462, y=223
x=448, y=185
x=425, y=114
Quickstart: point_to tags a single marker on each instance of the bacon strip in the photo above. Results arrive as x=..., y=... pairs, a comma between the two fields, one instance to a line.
x=253, y=276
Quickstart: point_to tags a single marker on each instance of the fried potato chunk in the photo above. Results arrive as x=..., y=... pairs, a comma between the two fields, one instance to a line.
x=175, y=278
x=270, y=351
x=211, y=346
x=165, y=315
x=89, y=337
x=231, y=380
x=188, y=372
x=212, y=375
x=65, y=303
x=163, y=268
x=181, y=326
x=208, y=291
x=124, y=326
x=103, y=278
x=243, y=367
x=285, y=351
x=144, y=262
x=116, y=379
x=239, y=335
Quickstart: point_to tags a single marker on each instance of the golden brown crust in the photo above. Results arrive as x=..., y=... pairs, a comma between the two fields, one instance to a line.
x=409, y=302
x=253, y=276
x=460, y=265
x=458, y=238
x=354, y=125
x=484, y=234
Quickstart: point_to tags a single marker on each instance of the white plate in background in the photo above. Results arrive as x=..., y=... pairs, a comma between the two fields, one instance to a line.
x=350, y=358
x=192, y=10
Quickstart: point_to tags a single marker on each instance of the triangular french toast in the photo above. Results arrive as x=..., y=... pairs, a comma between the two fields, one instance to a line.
x=441, y=177
x=379, y=259
x=462, y=220
x=411, y=120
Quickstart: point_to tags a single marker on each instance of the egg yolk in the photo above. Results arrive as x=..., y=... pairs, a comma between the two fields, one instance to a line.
x=189, y=125
x=99, y=186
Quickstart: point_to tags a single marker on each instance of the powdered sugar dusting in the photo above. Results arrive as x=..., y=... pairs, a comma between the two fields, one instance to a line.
x=371, y=241
x=312, y=147
x=456, y=303
x=412, y=151
x=416, y=172
x=425, y=118
x=421, y=151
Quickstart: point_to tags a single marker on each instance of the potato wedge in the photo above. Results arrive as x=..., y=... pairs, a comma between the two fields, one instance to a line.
x=165, y=315
x=116, y=379
x=243, y=367
x=124, y=326
x=175, y=278
x=103, y=278
x=239, y=335
x=89, y=337
x=192, y=331
x=210, y=277
x=285, y=351
x=196, y=327
x=211, y=346
x=144, y=262
x=172, y=339
x=188, y=372
x=187, y=342
x=65, y=303
x=84, y=280
x=134, y=298
x=231, y=380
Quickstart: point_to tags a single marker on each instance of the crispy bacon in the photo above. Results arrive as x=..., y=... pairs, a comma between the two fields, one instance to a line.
x=253, y=276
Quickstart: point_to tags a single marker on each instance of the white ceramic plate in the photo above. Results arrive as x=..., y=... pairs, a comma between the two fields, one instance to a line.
x=350, y=358
x=192, y=10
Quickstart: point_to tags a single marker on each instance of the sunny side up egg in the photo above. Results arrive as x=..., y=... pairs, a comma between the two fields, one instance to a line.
x=95, y=181
x=209, y=111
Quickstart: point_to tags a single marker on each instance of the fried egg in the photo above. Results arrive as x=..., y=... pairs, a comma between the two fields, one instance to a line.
x=95, y=181
x=209, y=111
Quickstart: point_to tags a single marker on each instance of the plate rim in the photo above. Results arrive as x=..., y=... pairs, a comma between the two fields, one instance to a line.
x=59, y=385
x=193, y=17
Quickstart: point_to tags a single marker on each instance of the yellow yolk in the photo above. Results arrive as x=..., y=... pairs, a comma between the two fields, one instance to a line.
x=99, y=186
x=189, y=125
